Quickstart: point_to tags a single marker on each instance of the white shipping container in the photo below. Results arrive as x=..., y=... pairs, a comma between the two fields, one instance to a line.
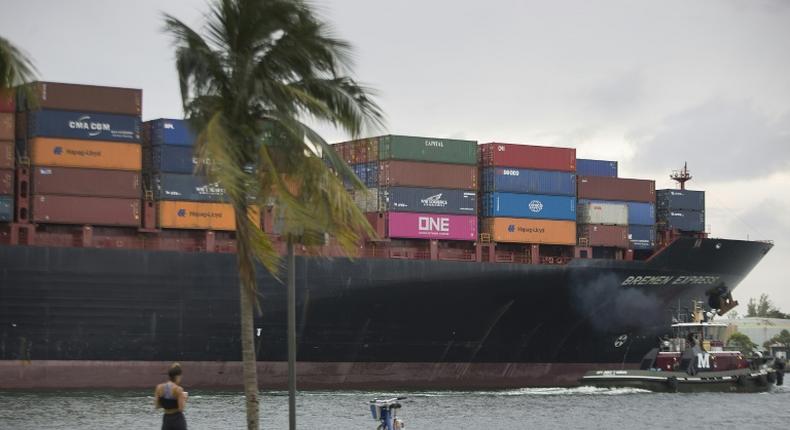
x=602, y=213
x=367, y=200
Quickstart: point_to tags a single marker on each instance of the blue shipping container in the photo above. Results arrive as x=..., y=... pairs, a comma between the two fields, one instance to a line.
x=586, y=167
x=683, y=220
x=172, y=159
x=6, y=208
x=368, y=173
x=680, y=200
x=529, y=181
x=639, y=213
x=83, y=125
x=171, y=132
x=642, y=237
x=197, y=188
x=536, y=206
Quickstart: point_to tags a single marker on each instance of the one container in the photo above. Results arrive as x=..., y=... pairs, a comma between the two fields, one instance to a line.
x=83, y=125
x=431, y=226
x=642, y=237
x=513, y=180
x=603, y=188
x=86, y=210
x=7, y=101
x=175, y=186
x=171, y=132
x=521, y=230
x=437, y=175
x=7, y=122
x=605, y=213
x=6, y=208
x=430, y=149
x=86, y=98
x=200, y=216
x=528, y=157
x=680, y=200
x=534, y=206
x=429, y=200
x=6, y=181
x=683, y=220
x=603, y=235
x=93, y=154
x=7, y=155
x=85, y=182
x=171, y=159
x=587, y=167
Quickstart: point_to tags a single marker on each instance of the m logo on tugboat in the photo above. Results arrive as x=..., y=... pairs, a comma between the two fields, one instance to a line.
x=703, y=360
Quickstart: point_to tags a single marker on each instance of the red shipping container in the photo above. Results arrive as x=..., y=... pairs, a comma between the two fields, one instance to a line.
x=528, y=156
x=85, y=182
x=85, y=98
x=7, y=122
x=6, y=155
x=622, y=189
x=7, y=101
x=603, y=235
x=86, y=210
x=431, y=175
x=6, y=182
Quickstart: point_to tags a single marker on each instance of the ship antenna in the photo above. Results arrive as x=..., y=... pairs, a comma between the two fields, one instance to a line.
x=681, y=176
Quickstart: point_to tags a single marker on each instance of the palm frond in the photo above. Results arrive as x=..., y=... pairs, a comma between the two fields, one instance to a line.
x=15, y=67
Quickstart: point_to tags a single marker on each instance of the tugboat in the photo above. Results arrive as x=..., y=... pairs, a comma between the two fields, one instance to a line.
x=691, y=360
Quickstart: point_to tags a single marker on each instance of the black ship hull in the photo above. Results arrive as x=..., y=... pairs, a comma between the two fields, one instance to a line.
x=75, y=317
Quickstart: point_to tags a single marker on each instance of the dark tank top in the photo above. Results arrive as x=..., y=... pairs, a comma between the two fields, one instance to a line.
x=168, y=398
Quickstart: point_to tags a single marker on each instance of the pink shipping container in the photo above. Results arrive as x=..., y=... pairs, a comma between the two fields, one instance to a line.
x=622, y=189
x=6, y=182
x=528, y=156
x=431, y=226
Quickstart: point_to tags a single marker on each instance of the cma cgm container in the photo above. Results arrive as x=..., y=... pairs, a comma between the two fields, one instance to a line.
x=171, y=132
x=606, y=213
x=603, y=235
x=682, y=220
x=6, y=181
x=603, y=188
x=83, y=125
x=429, y=200
x=535, y=206
x=521, y=230
x=586, y=167
x=642, y=237
x=7, y=123
x=92, y=154
x=417, y=174
x=200, y=215
x=175, y=186
x=85, y=182
x=514, y=180
x=680, y=199
x=86, y=210
x=528, y=157
x=431, y=226
x=430, y=149
x=6, y=155
x=6, y=208
x=85, y=98
x=171, y=159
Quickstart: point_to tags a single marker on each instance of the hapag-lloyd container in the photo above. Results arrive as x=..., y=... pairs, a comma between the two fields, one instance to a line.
x=603, y=235
x=85, y=98
x=6, y=208
x=85, y=182
x=431, y=226
x=6, y=181
x=534, y=206
x=6, y=155
x=642, y=237
x=171, y=132
x=435, y=175
x=175, y=186
x=680, y=199
x=683, y=220
x=93, y=154
x=522, y=230
x=528, y=156
x=429, y=200
x=514, y=180
x=606, y=213
x=587, y=167
x=200, y=215
x=53, y=209
x=7, y=123
x=83, y=125
x=430, y=149
x=622, y=189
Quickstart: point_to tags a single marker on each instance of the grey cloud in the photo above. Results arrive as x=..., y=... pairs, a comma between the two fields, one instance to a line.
x=618, y=94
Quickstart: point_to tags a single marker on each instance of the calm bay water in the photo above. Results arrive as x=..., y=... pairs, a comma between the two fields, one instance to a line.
x=539, y=408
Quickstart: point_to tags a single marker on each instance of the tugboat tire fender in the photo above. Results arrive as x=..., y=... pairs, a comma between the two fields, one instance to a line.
x=742, y=380
x=772, y=377
x=762, y=380
x=672, y=384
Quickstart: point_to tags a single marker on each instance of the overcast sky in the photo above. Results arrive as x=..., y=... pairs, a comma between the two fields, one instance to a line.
x=651, y=84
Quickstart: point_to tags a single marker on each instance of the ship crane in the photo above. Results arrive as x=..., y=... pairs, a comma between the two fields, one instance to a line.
x=681, y=176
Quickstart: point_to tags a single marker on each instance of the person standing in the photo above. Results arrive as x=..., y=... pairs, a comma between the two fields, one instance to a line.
x=172, y=398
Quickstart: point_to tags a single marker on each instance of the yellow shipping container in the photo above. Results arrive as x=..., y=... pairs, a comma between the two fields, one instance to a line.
x=92, y=154
x=201, y=216
x=521, y=230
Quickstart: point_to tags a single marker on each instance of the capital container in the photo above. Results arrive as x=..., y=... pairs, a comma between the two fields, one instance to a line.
x=528, y=156
x=177, y=186
x=200, y=215
x=535, y=231
x=6, y=181
x=603, y=235
x=171, y=132
x=7, y=122
x=52, y=209
x=430, y=149
x=436, y=175
x=514, y=180
x=534, y=206
x=92, y=154
x=622, y=189
x=429, y=200
x=6, y=208
x=642, y=237
x=84, y=98
x=603, y=212
x=680, y=199
x=7, y=101
x=171, y=159
x=83, y=125
x=683, y=220
x=587, y=167
x=431, y=226
x=7, y=155
x=85, y=182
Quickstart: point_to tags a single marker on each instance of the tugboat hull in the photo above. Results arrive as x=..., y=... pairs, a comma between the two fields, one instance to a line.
x=734, y=381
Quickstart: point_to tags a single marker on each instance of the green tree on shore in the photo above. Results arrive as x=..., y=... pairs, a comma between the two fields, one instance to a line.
x=15, y=67
x=742, y=343
x=249, y=79
x=764, y=308
x=782, y=339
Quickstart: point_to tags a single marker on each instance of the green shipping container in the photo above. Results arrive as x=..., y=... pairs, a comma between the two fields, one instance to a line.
x=429, y=149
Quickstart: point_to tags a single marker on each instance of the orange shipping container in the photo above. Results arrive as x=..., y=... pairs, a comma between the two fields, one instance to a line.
x=93, y=154
x=7, y=126
x=521, y=230
x=201, y=216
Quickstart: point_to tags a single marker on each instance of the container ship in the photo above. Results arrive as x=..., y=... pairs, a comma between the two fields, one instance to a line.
x=496, y=265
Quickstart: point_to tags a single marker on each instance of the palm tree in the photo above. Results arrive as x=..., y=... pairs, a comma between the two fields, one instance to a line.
x=247, y=84
x=15, y=67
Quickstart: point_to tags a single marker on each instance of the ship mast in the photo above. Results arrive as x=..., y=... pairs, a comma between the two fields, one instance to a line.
x=681, y=176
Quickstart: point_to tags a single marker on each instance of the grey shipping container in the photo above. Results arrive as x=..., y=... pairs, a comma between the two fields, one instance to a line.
x=680, y=199
x=187, y=187
x=86, y=182
x=429, y=200
x=89, y=98
x=7, y=155
x=367, y=200
x=6, y=208
x=607, y=213
x=683, y=220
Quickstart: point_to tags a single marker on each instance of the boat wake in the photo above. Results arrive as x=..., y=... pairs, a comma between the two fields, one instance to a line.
x=548, y=391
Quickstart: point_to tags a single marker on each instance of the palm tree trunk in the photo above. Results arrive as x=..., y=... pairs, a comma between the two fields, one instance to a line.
x=249, y=369
x=291, y=336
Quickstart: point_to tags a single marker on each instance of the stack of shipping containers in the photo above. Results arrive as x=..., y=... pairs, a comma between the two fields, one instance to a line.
x=7, y=122
x=83, y=143
x=682, y=210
